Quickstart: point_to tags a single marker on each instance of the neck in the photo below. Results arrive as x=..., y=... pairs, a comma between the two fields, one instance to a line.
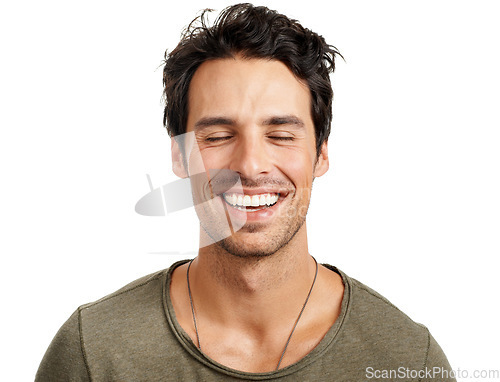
x=228, y=287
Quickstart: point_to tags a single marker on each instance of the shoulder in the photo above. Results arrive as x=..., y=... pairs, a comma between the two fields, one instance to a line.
x=380, y=332
x=115, y=330
x=127, y=293
x=127, y=326
x=368, y=304
x=365, y=305
x=391, y=338
x=381, y=319
x=138, y=298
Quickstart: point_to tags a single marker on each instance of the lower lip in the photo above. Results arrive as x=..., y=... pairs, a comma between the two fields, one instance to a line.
x=250, y=215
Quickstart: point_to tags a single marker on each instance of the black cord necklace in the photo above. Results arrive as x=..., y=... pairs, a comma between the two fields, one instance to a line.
x=294, y=326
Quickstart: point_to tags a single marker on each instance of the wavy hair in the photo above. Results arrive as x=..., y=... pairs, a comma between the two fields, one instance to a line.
x=251, y=32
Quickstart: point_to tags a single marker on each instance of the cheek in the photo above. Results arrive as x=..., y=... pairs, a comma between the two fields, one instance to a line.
x=196, y=163
x=296, y=164
x=213, y=159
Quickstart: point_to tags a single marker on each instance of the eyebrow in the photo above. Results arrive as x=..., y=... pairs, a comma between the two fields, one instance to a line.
x=272, y=121
x=213, y=121
x=284, y=120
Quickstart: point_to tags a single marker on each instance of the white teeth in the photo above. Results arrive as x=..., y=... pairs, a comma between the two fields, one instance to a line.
x=262, y=200
x=247, y=201
x=251, y=200
x=255, y=200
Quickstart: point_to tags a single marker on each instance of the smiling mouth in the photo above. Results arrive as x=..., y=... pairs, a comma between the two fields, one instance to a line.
x=251, y=202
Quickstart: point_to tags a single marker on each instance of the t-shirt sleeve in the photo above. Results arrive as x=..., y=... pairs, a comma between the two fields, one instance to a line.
x=64, y=359
x=437, y=367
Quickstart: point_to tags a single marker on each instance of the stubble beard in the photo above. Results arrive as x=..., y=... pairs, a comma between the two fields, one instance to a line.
x=272, y=242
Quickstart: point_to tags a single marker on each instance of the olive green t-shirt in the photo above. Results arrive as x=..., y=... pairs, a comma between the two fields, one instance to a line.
x=133, y=335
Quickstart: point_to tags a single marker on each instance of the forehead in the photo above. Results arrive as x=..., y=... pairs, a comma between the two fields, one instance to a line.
x=247, y=90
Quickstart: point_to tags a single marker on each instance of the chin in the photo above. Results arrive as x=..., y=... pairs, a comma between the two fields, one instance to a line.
x=252, y=242
x=246, y=250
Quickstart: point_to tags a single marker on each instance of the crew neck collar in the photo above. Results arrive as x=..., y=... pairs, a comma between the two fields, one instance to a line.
x=186, y=342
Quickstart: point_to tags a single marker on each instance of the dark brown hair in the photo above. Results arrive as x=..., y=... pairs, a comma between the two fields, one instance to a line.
x=251, y=32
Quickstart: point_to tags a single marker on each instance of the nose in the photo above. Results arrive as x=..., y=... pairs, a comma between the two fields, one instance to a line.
x=250, y=157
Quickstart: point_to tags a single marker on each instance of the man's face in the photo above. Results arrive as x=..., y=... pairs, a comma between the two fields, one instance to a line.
x=253, y=117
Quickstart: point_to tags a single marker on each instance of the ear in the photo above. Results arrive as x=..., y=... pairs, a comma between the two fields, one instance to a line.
x=322, y=163
x=178, y=160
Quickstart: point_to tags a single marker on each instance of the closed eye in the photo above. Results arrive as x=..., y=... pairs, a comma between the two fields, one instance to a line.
x=280, y=138
x=218, y=139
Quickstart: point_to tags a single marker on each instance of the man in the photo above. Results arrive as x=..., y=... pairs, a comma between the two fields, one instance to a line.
x=248, y=102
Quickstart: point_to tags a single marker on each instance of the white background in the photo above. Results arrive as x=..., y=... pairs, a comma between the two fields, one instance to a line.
x=409, y=207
